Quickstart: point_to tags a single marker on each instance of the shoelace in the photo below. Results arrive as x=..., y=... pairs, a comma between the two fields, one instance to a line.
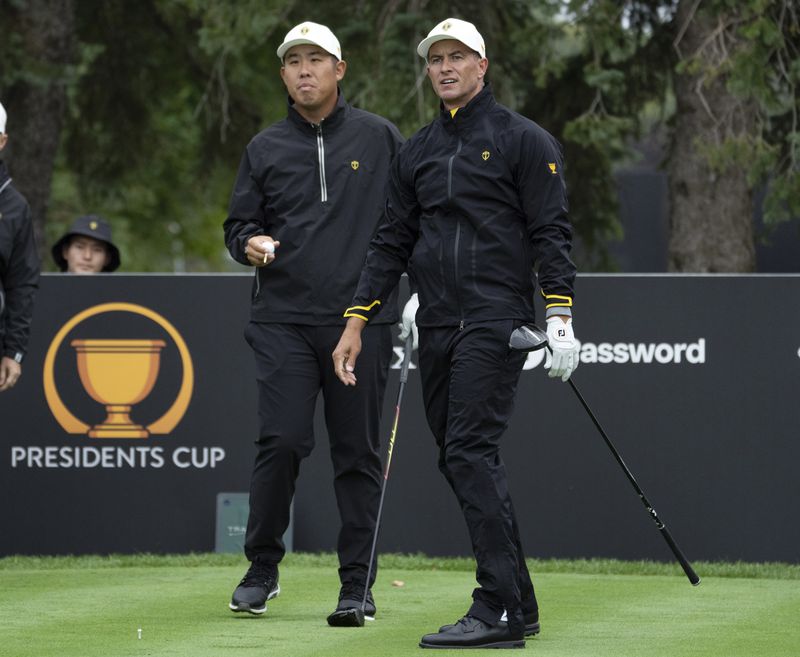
x=260, y=575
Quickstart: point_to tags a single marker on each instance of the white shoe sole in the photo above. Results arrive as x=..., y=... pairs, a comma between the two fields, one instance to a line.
x=256, y=611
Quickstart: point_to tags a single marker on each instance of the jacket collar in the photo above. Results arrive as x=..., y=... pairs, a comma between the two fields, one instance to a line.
x=467, y=116
x=332, y=120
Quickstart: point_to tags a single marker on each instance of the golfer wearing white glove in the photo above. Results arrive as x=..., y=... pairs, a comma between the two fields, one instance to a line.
x=564, y=346
x=471, y=229
x=408, y=323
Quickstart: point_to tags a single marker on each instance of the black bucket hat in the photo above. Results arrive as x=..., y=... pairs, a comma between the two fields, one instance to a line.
x=93, y=226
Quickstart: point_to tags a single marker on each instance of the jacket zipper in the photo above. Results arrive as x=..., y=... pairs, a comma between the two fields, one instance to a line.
x=458, y=232
x=323, y=187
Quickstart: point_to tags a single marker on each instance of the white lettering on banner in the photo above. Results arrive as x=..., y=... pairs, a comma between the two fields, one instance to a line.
x=663, y=353
x=198, y=457
x=114, y=457
x=693, y=353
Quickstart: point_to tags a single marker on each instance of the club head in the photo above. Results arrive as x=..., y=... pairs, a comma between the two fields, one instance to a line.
x=352, y=617
x=528, y=337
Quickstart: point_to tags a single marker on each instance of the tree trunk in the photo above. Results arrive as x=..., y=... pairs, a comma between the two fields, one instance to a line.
x=36, y=101
x=711, y=211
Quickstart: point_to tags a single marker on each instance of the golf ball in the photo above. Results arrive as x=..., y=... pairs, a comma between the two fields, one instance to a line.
x=269, y=247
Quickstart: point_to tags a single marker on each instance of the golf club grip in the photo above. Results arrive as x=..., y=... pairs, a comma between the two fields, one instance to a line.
x=407, y=357
x=682, y=560
x=403, y=380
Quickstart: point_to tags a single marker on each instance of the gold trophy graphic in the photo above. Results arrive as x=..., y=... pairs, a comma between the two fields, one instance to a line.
x=118, y=374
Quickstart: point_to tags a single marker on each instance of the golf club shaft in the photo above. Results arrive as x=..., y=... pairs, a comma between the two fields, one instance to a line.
x=687, y=567
x=409, y=347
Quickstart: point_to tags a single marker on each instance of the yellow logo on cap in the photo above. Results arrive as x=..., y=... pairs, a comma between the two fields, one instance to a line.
x=354, y=164
x=485, y=155
x=93, y=225
x=304, y=30
x=552, y=166
x=446, y=26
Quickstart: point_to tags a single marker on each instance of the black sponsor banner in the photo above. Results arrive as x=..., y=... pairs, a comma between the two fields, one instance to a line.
x=137, y=407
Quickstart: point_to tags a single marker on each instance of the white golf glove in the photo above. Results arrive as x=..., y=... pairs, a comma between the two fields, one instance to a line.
x=408, y=323
x=564, y=346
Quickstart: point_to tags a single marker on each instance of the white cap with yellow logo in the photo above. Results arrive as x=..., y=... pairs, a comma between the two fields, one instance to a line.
x=313, y=34
x=453, y=28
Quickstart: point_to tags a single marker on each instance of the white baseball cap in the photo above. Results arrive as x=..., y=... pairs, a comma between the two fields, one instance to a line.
x=3, y=116
x=453, y=28
x=313, y=34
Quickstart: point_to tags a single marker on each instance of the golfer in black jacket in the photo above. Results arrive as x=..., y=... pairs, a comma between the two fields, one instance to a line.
x=306, y=202
x=19, y=273
x=476, y=201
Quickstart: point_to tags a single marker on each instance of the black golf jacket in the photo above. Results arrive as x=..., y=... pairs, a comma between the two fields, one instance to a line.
x=319, y=190
x=475, y=201
x=19, y=269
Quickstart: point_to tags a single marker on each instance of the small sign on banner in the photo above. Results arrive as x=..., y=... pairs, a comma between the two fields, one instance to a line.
x=232, y=512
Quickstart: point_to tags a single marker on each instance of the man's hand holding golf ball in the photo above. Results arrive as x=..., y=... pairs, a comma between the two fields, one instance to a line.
x=260, y=250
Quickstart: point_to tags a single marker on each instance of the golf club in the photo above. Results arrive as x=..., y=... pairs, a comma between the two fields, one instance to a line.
x=532, y=338
x=356, y=617
x=409, y=347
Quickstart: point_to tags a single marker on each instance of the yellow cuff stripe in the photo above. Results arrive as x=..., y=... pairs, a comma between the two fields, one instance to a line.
x=557, y=300
x=349, y=314
x=350, y=311
x=367, y=308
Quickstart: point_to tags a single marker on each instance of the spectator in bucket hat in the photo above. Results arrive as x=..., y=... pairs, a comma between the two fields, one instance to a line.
x=87, y=247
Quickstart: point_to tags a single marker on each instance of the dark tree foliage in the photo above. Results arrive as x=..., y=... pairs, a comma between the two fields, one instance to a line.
x=140, y=110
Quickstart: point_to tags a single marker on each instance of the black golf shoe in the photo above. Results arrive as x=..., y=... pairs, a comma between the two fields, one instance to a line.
x=470, y=632
x=531, y=623
x=259, y=584
x=348, y=612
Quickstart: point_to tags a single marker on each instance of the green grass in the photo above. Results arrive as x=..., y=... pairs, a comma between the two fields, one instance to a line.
x=93, y=606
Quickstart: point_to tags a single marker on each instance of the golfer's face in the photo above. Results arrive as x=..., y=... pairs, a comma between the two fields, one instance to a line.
x=456, y=72
x=311, y=76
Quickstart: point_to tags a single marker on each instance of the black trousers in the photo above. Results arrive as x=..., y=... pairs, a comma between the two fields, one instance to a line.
x=293, y=364
x=469, y=379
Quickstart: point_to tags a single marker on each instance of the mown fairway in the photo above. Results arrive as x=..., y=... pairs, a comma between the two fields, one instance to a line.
x=93, y=606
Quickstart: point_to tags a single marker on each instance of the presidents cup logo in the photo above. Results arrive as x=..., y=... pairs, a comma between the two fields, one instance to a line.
x=118, y=374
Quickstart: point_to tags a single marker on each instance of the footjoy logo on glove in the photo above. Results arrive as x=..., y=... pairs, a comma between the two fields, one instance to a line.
x=642, y=353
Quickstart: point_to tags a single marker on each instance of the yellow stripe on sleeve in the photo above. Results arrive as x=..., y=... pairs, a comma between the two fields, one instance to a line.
x=557, y=300
x=350, y=312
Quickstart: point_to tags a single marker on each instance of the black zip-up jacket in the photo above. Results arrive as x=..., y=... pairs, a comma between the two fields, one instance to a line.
x=475, y=201
x=319, y=190
x=19, y=269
